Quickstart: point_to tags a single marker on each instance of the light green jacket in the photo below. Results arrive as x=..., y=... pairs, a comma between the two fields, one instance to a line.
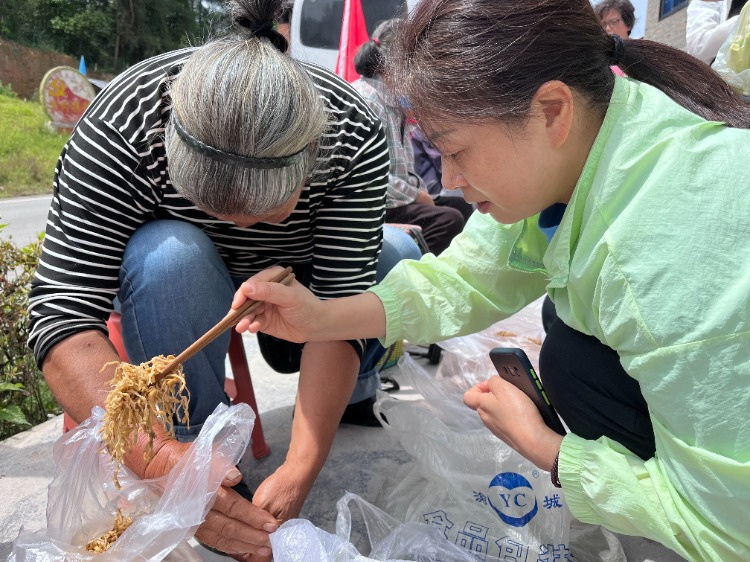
x=652, y=257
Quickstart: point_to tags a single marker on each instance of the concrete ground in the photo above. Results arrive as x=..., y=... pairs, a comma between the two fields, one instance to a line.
x=360, y=461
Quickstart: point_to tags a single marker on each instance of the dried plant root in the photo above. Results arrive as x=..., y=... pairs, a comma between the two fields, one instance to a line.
x=507, y=334
x=136, y=402
x=103, y=543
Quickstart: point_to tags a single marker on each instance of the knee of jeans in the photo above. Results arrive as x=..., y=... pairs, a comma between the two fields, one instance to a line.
x=163, y=252
x=397, y=246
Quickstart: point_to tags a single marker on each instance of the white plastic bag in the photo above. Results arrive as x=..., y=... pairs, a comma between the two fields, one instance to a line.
x=733, y=59
x=83, y=501
x=482, y=495
x=457, y=460
x=299, y=540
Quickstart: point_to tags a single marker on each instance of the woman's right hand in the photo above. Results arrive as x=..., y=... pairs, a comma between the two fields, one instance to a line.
x=291, y=312
x=233, y=524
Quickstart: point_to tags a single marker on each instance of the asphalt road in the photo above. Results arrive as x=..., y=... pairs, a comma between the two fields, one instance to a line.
x=25, y=217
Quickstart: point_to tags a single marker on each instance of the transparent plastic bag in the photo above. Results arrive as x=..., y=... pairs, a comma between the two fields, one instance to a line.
x=299, y=540
x=83, y=501
x=466, y=362
x=733, y=59
x=478, y=492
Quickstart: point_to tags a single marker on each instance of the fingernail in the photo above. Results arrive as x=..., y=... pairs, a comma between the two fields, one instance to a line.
x=233, y=474
x=263, y=551
x=270, y=527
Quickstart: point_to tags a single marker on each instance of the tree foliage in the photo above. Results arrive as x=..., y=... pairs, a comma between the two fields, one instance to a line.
x=111, y=34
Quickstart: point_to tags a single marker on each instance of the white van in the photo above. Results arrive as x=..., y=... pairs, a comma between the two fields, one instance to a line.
x=316, y=26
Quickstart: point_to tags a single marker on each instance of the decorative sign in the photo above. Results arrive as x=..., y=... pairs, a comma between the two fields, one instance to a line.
x=65, y=94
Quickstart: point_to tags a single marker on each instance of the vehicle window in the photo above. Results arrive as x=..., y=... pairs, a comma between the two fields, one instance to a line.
x=321, y=19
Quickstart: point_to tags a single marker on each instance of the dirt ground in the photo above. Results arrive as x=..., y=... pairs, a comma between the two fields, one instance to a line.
x=24, y=67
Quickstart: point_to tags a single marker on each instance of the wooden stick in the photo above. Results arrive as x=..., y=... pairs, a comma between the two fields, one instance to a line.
x=229, y=321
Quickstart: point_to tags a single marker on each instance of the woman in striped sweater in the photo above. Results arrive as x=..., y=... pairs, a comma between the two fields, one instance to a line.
x=190, y=172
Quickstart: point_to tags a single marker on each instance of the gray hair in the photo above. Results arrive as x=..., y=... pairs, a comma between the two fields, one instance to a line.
x=243, y=96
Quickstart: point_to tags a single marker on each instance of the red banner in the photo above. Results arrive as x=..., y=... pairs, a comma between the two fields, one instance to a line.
x=353, y=35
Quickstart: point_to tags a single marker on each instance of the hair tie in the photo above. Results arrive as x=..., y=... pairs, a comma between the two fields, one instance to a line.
x=265, y=29
x=618, y=50
x=376, y=41
x=226, y=157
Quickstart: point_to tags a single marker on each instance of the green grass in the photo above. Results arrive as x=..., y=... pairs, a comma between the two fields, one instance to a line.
x=28, y=149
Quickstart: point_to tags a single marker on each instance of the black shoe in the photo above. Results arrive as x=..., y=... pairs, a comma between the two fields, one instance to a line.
x=388, y=384
x=211, y=548
x=360, y=413
x=242, y=489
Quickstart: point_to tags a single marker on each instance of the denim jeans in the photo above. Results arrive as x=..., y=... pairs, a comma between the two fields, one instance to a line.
x=174, y=286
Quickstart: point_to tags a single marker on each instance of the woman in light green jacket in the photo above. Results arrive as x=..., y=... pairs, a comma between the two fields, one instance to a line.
x=646, y=181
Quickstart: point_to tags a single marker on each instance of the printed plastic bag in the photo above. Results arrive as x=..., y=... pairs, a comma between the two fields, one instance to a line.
x=482, y=495
x=733, y=59
x=299, y=540
x=477, y=491
x=83, y=501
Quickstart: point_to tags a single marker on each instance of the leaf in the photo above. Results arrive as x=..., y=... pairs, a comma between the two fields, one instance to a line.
x=13, y=414
x=8, y=386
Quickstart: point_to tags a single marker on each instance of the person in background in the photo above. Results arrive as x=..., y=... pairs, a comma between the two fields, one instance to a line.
x=397, y=245
x=648, y=361
x=428, y=165
x=190, y=172
x=284, y=21
x=709, y=23
x=616, y=16
x=407, y=199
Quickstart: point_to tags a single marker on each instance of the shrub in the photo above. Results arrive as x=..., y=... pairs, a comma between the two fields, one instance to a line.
x=25, y=398
x=7, y=91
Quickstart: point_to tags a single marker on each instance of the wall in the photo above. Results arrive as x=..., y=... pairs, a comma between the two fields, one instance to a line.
x=670, y=30
x=24, y=67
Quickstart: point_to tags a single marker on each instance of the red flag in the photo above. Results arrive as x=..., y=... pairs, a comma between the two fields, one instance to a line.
x=353, y=35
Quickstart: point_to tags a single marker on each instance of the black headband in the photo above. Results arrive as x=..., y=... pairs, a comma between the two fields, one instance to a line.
x=265, y=29
x=230, y=157
x=618, y=50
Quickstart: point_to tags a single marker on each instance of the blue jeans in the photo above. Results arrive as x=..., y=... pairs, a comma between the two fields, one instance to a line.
x=174, y=286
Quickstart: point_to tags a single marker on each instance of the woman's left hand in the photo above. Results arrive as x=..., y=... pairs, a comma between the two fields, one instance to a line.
x=513, y=417
x=282, y=494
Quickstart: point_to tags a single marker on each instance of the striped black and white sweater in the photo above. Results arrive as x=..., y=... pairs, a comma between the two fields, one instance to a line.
x=113, y=176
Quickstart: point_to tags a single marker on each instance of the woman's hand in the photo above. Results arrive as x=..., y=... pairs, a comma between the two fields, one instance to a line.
x=424, y=198
x=233, y=524
x=282, y=494
x=289, y=313
x=513, y=417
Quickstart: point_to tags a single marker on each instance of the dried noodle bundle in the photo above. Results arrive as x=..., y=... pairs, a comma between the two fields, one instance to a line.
x=103, y=543
x=136, y=402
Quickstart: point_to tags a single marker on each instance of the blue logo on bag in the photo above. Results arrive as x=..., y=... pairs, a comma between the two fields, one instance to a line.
x=514, y=499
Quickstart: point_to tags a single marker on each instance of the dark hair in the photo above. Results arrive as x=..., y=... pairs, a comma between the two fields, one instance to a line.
x=476, y=60
x=285, y=13
x=623, y=7
x=370, y=58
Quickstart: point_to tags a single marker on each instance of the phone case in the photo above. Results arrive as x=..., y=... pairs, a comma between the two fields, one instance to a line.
x=514, y=366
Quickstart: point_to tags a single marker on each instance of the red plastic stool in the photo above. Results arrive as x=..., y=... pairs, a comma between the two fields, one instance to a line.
x=239, y=389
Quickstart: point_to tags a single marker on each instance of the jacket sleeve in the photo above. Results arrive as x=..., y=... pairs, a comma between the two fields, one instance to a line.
x=102, y=193
x=706, y=28
x=467, y=288
x=693, y=494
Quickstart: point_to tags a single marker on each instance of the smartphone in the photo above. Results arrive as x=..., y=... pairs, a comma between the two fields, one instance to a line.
x=514, y=366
